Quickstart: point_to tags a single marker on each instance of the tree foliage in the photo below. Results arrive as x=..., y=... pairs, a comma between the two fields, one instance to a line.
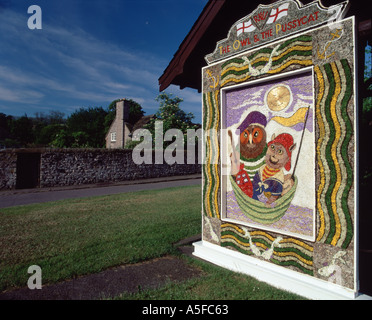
x=171, y=115
x=84, y=128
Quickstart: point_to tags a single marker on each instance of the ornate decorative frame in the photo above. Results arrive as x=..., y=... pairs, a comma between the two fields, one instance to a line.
x=328, y=51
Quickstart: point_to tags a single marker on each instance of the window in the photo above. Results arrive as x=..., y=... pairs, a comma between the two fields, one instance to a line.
x=113, y=136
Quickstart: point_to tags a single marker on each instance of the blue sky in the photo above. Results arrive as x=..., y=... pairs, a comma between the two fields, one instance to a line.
x=90, y=52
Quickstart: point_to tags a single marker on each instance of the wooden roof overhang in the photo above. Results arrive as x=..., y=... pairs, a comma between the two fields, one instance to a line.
x=213, y=25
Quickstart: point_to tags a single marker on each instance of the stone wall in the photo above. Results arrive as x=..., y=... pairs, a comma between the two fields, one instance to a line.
x=8, y=167
x=66, y=167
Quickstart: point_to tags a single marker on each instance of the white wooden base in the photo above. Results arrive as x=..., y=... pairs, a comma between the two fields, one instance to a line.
x=277, y=276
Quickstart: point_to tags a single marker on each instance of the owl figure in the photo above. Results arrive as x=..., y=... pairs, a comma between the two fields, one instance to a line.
x=252, y=135
x=252, y=141
x=252, y=145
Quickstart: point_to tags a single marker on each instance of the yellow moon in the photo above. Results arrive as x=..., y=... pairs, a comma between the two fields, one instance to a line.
x=278, y=98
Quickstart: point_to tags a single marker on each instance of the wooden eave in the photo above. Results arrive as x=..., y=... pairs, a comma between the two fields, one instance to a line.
x=188, y=45
x=213, y=25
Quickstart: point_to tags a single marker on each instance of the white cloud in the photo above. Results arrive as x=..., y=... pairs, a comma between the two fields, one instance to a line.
x=62, y=63
x=21, y=97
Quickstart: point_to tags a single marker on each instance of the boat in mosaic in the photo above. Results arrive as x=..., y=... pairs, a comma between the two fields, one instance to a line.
x=258, y=211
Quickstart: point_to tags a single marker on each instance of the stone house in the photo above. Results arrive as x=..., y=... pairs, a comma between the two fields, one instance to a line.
x=120, y=131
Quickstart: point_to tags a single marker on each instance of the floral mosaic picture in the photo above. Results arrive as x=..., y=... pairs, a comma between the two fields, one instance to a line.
x=279, y=177
x=270, y=155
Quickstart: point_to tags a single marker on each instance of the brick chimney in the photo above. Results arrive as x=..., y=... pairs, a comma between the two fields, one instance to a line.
x=120, y=129
x=122, y=110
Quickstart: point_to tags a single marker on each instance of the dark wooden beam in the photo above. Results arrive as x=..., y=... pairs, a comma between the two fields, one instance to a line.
x=176, y=66
x=213, y=25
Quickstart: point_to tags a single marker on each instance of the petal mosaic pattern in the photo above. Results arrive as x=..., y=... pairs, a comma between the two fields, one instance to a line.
x=288, y=251
x=297, y=51
x=335, y=133
x=211, y=169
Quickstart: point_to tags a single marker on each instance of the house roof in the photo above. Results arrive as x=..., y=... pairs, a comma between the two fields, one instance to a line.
x=213, y=25
x=142, y=122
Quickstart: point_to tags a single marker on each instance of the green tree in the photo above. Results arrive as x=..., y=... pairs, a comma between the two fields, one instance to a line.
x=4, y=128
x=22, y=130
x=85, y=128
x=46, y=134
x=56, y=117
x=62, y=139
x=46, y=126
x=171, y=115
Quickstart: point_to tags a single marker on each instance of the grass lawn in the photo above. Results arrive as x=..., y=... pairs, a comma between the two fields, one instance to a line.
x=76, y=237
x=216, y=283
x=82, y=236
